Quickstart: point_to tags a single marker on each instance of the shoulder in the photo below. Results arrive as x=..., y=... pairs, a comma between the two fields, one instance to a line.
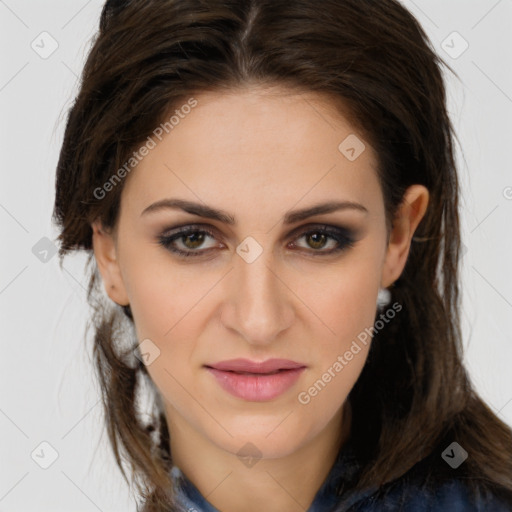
x=431, y=485
x=455, y=495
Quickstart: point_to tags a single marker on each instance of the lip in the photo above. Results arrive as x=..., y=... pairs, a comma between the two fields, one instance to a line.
x=256, y=381
x=246, y=365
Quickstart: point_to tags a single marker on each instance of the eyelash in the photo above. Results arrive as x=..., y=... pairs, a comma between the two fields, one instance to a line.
x=342, y=236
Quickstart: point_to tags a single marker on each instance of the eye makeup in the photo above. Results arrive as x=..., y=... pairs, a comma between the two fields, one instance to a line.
x=186, y=241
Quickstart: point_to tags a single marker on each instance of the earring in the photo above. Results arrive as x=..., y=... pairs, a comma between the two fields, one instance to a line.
x=383, y=298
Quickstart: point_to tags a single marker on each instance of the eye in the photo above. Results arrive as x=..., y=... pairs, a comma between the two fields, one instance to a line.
x=190, y=241
x=335, y=239
x=186, y=241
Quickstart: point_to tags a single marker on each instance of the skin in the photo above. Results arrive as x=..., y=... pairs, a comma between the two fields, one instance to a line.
x=256, y=154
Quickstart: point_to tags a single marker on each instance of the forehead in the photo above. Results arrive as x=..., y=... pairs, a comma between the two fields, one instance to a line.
x=257, y=147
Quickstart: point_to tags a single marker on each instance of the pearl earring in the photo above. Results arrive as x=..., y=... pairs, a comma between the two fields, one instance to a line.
x=383, y=298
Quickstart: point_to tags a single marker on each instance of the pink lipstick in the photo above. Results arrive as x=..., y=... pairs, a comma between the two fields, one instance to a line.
x=256, y=381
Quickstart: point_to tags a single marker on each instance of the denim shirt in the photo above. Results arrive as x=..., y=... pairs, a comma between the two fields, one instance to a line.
x=404, y=495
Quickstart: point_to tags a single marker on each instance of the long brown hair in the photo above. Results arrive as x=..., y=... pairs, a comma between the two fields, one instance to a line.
x=372, y=58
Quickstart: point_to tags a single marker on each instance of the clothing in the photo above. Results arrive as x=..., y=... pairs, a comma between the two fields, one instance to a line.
x=403, y=495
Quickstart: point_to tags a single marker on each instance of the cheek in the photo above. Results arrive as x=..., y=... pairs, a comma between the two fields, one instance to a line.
x=167, y=309
x=325, y=390
x=170, y=305
x=347, y=306
x=162, y=294
x=343, y=297
x=348, y=309
x=350, y=306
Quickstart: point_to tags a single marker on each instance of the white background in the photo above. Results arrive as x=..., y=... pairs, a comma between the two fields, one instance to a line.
x=47, y=381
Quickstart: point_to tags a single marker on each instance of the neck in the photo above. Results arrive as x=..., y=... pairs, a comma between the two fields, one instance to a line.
x=289, y=482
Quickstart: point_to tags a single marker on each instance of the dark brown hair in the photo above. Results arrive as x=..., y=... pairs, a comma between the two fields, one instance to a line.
x=375, y=63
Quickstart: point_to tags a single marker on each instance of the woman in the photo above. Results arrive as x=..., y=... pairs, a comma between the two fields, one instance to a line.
x=267, y=191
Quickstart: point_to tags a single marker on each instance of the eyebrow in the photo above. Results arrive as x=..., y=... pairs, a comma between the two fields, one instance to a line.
x=290, y=217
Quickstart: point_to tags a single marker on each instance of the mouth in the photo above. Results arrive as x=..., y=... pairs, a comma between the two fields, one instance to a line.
x=246, y=366
x=256, y=386
x=252, y=373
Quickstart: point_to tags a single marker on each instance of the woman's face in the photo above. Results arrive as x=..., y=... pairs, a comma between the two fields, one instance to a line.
x=261, y=280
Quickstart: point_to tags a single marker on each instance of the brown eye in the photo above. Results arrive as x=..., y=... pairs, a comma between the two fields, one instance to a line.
x=188, y=242
x=196, y=239
x=193, y=241
x=325, y=240
x=316, y=240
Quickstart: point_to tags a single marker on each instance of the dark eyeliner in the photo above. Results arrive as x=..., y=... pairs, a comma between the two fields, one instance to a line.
x=343, y=236
x=166, y=240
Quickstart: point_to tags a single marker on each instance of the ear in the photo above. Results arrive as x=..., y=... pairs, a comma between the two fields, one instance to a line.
x=409, y=214
x=104, y=247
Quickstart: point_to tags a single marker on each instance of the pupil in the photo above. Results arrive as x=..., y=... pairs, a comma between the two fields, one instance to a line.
x=318, y=240
x=199, y=237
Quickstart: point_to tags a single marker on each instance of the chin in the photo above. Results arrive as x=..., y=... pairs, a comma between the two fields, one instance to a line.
x=269, y=438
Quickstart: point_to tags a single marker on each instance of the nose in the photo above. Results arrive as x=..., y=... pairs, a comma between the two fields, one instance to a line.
x=260, y=305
